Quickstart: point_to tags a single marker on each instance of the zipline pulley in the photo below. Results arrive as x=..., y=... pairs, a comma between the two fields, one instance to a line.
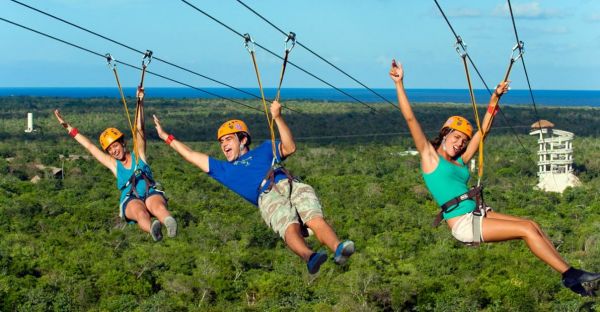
x=111, y=61
x=147, y=58
x=517, y=51
x=249, y=43
x=461, y=47
x=291, y=37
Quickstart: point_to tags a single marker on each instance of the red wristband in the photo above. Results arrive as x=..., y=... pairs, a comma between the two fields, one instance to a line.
x=73, y=132
x=493, y=109
x=169, y=139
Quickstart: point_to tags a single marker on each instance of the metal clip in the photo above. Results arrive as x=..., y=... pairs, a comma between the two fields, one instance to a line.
x=249, y=43
x=461, y=47
x=147, y=58
x=290, y=37
x=112, y=62
x=517, y=51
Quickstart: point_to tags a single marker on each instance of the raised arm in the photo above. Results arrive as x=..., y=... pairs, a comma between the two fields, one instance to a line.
x=198, y=159
x=429, y=158
x=288, y=145
x=487, y=121
x=140, y=125
x=105, y=159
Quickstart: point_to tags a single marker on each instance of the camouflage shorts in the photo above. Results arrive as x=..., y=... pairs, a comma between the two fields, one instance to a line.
x=279, y=209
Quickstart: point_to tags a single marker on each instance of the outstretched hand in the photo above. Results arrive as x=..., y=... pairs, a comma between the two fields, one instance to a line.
x=396, y=72
x=275, y=109
x=502, y=88
x=161, y=133
x=139, y=94
x=61, y=120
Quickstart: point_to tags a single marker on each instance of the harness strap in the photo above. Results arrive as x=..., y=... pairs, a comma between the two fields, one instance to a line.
x=474, y=193
x=133, y=182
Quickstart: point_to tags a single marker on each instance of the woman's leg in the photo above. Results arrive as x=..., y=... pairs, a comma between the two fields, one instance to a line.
x=496, y=215
x=496, y=230
x=136, y=211
x=157, y=206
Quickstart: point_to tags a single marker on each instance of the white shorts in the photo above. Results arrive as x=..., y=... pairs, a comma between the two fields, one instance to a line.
x=463, y=228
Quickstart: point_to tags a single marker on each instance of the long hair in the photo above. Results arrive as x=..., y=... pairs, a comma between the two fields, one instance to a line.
x=440, y=137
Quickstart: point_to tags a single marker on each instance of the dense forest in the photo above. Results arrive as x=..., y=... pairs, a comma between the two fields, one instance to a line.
x=63, y=247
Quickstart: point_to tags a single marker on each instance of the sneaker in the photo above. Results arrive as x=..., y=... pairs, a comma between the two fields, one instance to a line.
x=583, y=283
x=155, y=231
x=315, y=261
x=343, y=251
x=171, y=225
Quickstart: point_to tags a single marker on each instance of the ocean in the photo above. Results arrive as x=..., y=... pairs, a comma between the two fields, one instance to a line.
x=515, y=97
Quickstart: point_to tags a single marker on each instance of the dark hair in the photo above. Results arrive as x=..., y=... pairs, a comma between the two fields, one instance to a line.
x=242, y=135
x=438, y=140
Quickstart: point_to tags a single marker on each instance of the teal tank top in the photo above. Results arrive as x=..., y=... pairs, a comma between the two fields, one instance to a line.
x=124, y=174
x=447, y=181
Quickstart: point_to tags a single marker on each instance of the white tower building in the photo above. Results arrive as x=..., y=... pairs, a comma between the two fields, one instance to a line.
x=29, y=123
x=555, y=157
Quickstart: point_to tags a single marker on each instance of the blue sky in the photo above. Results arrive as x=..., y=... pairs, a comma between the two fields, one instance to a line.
x=562, y=40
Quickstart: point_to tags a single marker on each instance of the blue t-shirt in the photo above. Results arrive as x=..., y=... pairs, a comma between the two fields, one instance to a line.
x=124, y=174
x=244, y=175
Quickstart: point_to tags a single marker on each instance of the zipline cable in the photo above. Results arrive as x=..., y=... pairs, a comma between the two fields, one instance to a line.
x=458, y=39
x=141, y=52
x=126, y=64
x=279, y=57
x=318, y=56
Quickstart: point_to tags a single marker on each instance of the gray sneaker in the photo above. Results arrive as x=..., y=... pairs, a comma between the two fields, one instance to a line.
x=171, y=225
x=155, y=231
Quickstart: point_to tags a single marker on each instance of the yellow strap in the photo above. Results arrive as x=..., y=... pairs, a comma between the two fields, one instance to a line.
x=133, y=129
x=478, y=122
x=270, y=121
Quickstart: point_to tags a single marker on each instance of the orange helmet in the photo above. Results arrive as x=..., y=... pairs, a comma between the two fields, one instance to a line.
x=109, y=136
x=232, y=126
x=459, y=123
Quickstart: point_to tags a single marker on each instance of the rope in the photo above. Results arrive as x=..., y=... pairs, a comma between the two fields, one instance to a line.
x=249, y=43
x=277, y=56
x=319, y=56
x=113, y=66
x=480, y=162
x=126, y=64
x=458, y=39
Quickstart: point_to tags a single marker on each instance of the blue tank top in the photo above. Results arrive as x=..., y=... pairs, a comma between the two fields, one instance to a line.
x=124, y=174
x=447, y=181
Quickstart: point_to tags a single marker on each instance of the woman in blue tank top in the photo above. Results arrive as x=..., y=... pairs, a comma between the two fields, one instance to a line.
x=140, y=200
x=443, y=164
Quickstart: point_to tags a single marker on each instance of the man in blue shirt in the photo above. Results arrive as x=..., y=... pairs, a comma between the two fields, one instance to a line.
x=283, y=204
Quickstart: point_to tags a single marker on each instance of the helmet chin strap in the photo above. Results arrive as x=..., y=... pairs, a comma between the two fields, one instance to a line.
x=444, y=141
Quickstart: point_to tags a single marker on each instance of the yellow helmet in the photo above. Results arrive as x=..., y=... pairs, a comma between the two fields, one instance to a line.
x=109, y=136
x=232, y=126
x=459, y=123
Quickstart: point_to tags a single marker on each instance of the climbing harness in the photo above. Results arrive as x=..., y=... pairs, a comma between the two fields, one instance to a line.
x=276, y=165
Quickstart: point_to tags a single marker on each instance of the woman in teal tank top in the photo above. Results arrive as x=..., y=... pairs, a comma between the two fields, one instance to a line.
x=140, y=200
x=443, y=164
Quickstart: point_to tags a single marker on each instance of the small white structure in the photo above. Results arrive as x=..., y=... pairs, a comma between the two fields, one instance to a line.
x=29, y=123
x=555, y=157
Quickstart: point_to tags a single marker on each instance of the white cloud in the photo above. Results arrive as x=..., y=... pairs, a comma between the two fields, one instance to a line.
x=559, y=30
x=531, y=10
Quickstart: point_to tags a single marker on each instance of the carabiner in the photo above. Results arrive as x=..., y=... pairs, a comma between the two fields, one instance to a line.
x=112, y=62
x=517, y=50
x=290, y=37
x=147, y=58
x=461, y=47
x=249, y=43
